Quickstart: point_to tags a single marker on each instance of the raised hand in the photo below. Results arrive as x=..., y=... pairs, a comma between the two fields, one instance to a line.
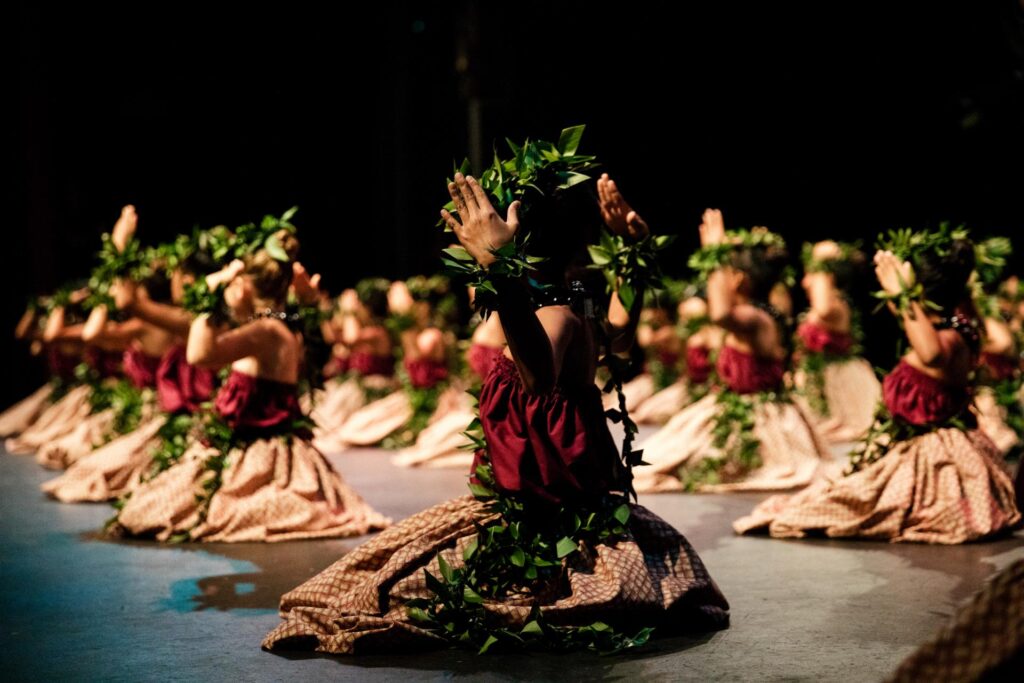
x=225, y=275
x=712, y=228
x=306, y=287
x=618, y=215
x=479, y=227
x=400, y=299
x=893, y=274
x=348, y=301
x=124, y=228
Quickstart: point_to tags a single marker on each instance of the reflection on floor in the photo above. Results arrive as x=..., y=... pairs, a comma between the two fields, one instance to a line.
x=75, y=605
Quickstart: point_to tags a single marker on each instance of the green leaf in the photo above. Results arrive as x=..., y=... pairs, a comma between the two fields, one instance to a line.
x=518, y=557
x=621, y=513
x=446, y=570
x=471, y=596
x=626, y=295
x=417, y=614
x=457, y=253
x=470, y=549
x=566, y=546
x=480, y=491
x=569, y=140
x=286, y=217
x=532, y=628
x=274, y=248
x=491, y=640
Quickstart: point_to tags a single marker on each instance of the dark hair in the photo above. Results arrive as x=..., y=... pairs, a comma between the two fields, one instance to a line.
x=944, y=276
x=270, y=277
x=560, y=227
x=763, y=266
x=373, y=295
x=158, y=285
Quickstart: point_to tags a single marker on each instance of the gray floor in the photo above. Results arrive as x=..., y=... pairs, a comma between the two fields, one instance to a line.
x=75, y=606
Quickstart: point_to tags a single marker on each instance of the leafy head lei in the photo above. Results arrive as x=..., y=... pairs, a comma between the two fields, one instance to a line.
x=910, y=245
x=990, y=259
x=713, y=256
x=223, y=246
x=536, y=170
x=848, y=251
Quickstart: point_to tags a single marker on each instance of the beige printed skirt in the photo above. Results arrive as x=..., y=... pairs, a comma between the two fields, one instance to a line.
x=276, y=489
x=22, y=414
x=636, y=391
x=948, y=486
x=57, y=420
x=992, y=420
x=86, y=436
x=357, y=605
x=852, y=392
x=663, y=405
x=110, y=471
x=790, y=452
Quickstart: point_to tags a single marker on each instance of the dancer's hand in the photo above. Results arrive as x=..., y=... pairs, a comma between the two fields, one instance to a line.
x=124, y=228
x=348, y=302
x=306, y=287
x=712, y=228
x=893, y=274
x=400, y=299
x=481, y=229
x=225, y=275
x=618, y=215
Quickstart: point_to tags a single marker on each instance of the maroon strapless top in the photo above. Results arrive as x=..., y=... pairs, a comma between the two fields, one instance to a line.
x=59, y=364
x=817, y=339
x=698, y=364
x=425, y=373
x=669, y=359
x=180, y=386
x=919, y=398
x=255, y=404
x=548, y=447
x=370, y=364
x=481, y=357
x=337, y=366
x=745, y=373
x=107, y=363
x=139, y=368
x=997, y=366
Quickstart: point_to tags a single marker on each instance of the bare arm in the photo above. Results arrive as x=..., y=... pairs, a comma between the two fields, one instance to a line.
x=27, y=323
x=211, y=347
x=622, y=323
x=537, y=339
x=174, y=319
x=826, y=304
x=54, y=324
x=894, y=275
x=95, y=323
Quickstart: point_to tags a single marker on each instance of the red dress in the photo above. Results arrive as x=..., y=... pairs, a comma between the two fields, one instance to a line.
x=139, y=368
x=481, y=358
x=552, y=447
x=818, y=339
x=745, y=373
x=698, y=364
x=371, y=364
x=181, y=386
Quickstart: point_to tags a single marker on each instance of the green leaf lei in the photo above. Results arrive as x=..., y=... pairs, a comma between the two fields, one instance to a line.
x=888, y=430
x=907, y=245
x=714, y=256
x=629, y=266
x=535, y=170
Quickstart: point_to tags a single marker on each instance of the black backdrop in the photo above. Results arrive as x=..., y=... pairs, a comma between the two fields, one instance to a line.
x=817, y=119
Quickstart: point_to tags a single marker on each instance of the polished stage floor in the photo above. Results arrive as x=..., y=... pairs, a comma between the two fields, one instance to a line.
x=74, y=606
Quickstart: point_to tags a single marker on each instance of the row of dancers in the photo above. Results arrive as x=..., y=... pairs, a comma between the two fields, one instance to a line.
x=198, y=384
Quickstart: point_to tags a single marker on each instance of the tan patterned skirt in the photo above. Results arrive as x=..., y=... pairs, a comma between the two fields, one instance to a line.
x=789, y=451
x=663, y=405
x=110, y=471
x=54, y=422
x=271, y=491
x=441, y=444
x=87, y=435
x=984, y=640
x=357, y=605
x=947, y=486
x=333, y=406
x=22, y=414
x=992, y=420
x=852, y=392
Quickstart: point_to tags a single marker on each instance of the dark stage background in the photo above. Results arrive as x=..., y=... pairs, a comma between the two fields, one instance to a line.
x=816, y=119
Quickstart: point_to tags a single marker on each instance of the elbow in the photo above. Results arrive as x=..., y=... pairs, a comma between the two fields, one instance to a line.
x=719, y=318
x=90, y=334
x=931, y=358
